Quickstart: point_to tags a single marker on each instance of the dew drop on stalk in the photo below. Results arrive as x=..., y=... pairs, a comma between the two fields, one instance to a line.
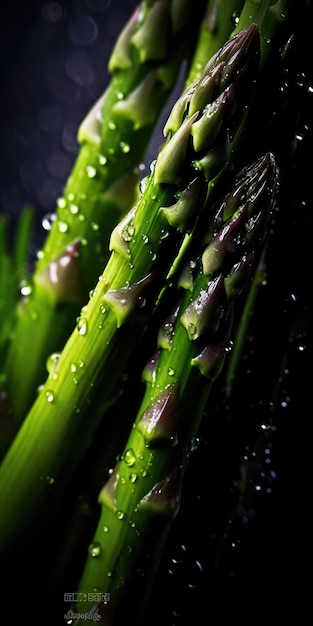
x=52, y=361
x=120, y=514
x=102, y=159
x=94, y=549
x=128, y=232
x=91, y=171
x=130, y=457
x=143, y=184
x=106, y=529
x=171, y=371
x=82, y=325
x=164, y=233
x=95, y=226
x=49, y=394
x=235, y=17
x=74, y=209
x=48, y=220
x=61, y=202
x=125, y=147
x=63, y=227
x=25, y=288
x=133, y=477
x=142, y=302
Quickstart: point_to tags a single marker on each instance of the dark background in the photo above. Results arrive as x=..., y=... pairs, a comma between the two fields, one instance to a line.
x=231, y=554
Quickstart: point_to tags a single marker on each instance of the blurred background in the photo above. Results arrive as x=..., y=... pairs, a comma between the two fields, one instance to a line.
x=242, y=543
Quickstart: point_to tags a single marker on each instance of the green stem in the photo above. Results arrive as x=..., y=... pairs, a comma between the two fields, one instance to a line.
x=102, y=186
x=216, y=27
x=242, y=330
x=62, y=421
x=142, y=496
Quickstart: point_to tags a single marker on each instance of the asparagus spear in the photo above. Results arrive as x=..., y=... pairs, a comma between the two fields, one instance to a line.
x=215, y=28
x=101, y=187
x=60, y=425
x=13, y=277
x=142, y=496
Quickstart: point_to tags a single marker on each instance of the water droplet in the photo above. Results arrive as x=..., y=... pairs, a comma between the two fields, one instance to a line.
x=92, y=293
x=74, y=209
x=94, y=226
x=191, y=329
x=73, y=367
x=195, y=572
x=102, y=309
x=94, y=549
x=142, y=302
x=145, y=239
x=144, y=184
x=61, y=203
x=133, y=477
x=63, y=227
x=82, y=325
x=235, y=17
x=171, y=371
x=111, y=125
x=130, y=457
x=49, y=395
x=52, y=361
x=125, y=147
x=25, y=288
x=102, y=159
x=106, y=529
x=128, y=232
x=48, y=220
x=91, y=171
x=120, y=515
x=174, y=440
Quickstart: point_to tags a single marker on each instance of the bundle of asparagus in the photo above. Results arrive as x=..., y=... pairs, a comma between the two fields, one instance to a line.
x=183, y=247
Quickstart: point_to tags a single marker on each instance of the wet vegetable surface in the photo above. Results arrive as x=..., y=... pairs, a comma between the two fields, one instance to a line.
x=243, y=533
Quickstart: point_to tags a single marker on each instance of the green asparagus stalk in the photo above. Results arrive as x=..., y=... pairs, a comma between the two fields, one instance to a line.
x=268, y=13
x=13, y=276
x=100, y=189
x=61, y=423
x=279, y=31
x=216, y=27
x=142, y=496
